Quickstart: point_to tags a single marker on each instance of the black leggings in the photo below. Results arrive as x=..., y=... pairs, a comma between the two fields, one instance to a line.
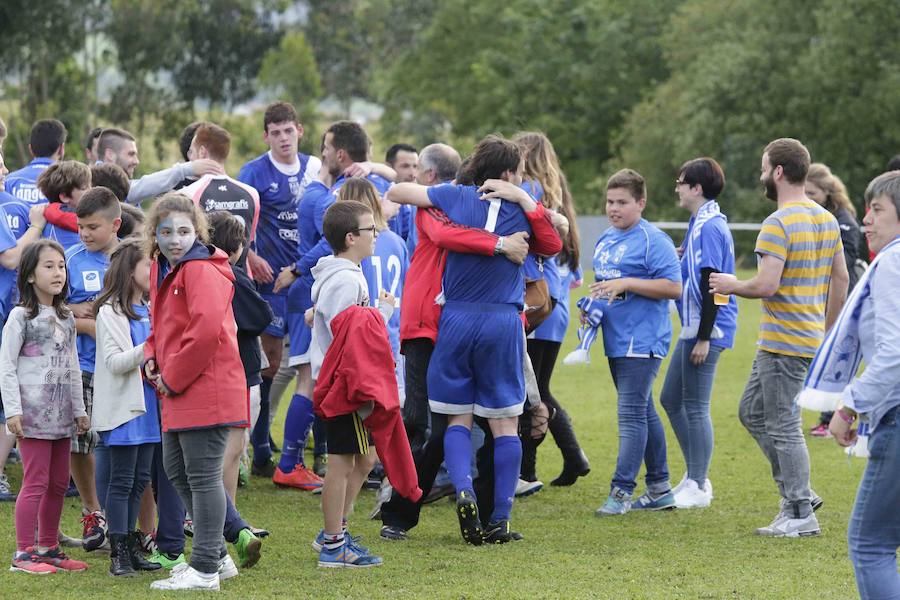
x=543, y=355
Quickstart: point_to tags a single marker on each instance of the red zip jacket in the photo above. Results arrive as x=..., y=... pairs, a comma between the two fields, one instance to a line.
x=358, y=372
x=419, y=314
x=55, y=216
x=193, y=339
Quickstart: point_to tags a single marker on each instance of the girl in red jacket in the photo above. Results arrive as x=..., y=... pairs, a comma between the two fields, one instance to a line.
x=192, y=358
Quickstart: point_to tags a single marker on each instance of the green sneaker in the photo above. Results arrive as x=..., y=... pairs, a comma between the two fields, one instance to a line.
x=248, y=547
x=166, y=560
x=243, y=475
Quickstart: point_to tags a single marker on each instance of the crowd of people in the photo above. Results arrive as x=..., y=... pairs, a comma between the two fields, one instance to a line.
x=417, y=306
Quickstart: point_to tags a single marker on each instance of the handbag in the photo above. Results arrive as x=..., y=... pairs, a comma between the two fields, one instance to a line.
x=538, y=304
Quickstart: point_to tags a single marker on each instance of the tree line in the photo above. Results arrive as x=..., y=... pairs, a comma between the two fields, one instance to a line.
x=646, y=83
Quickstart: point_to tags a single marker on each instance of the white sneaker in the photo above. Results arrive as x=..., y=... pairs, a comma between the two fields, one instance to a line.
x=784, y=526
x=691, y=496
x=527, y=488
x=680, y=485
x=707, y=487
x=187, y=578
x=227, y=568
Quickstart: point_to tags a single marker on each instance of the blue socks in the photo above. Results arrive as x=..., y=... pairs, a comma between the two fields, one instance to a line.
x=458, y=457
x=296, y=427
x=507, y=459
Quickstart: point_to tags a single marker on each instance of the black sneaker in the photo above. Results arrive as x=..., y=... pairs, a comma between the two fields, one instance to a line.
x=500, y=533
x=390, y=532
x=94, y=531
x=469, y=521
x=266, y=470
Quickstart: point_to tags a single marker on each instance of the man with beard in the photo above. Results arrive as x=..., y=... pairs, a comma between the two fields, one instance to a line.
x=800, y=252
x=117, y=146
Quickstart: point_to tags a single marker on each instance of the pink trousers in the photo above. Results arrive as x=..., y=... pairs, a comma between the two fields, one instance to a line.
x=45, y=479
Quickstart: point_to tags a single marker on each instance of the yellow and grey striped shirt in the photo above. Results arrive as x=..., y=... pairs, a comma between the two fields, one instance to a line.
x=806, y=237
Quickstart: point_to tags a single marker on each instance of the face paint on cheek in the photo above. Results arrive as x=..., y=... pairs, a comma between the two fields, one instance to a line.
x=175, y=235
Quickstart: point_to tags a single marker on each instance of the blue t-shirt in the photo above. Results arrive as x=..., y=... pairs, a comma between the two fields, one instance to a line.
x=22, y=184
x=388, y=272
x=472, y=277
x=16, y=214
x=7, y=276
x=279, y=197
x=716, y=252
x=320, y=200
x=66, y=238
x=553, y=329
x=145, y=428
x=636, y=326
x=535, y=268
x=85, y=270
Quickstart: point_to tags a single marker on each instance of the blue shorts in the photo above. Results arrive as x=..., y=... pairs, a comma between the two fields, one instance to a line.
x=477, y=362
x=278, y=302
x=299, y=299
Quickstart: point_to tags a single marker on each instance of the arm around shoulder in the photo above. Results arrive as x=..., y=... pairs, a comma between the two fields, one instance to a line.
x=114, y=345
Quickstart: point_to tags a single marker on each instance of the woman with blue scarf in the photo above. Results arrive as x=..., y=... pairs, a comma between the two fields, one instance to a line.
x=868, y=329
x=706, y=328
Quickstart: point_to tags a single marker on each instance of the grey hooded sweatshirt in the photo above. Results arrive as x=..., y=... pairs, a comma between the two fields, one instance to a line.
x=339, y=284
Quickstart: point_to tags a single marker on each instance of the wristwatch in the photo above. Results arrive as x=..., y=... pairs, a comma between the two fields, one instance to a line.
x=498, y=249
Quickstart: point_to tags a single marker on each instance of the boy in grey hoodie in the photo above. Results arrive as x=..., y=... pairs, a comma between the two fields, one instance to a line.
x=350, y=229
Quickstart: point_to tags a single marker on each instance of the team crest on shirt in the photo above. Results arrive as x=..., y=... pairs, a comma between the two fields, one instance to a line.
x=92, y=281
x=620, y=252
x=273, y=187
x=295, y=187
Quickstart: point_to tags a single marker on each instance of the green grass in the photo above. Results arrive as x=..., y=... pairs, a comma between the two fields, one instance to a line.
x=567, y=552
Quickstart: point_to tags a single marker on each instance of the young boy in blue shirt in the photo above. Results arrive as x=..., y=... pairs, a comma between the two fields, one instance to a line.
x=99, y=217
x=637, y=273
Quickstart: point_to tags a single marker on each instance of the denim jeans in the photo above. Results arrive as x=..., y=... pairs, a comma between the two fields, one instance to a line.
x=129, y=474
x=685, y=395
x=874, y=532
x=641, y=435
x=193, y=462
x=768, y=411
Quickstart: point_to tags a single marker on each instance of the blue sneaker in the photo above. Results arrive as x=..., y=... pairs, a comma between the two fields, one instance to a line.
x=319, y=542
x=6, y=493
x=664, y=502
x=617, y=503
x=348, y=555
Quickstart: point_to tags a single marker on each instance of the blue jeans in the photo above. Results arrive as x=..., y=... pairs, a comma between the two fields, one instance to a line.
x=874, y=532
x=685, y=396
x=129, y=474
x=641, y=435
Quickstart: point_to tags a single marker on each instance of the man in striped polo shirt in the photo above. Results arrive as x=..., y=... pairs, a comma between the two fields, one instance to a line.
x=802, y=280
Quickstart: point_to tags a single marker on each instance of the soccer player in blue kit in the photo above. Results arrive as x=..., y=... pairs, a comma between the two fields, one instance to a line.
x=476, y=368
x=345, y=153
x=47, y=145
x=280, y=176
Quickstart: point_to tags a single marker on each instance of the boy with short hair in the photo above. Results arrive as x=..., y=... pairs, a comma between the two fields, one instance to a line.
x=350, y=229
x=63, y=184
x=99, y=217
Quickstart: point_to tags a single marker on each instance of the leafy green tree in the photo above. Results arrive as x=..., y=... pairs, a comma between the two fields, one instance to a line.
x=289, y=72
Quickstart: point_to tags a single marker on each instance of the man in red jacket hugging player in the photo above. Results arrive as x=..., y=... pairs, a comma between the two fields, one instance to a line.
x=355, y=386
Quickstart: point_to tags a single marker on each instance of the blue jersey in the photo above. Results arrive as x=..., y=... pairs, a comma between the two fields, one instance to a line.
x=67, y=239
x=716, y=252
x=320, y=201
x=388, y=273
x=475, y=278
x=143, y=429
x=634, y=325
x=553, y=329
x=536, y=267
x=16, y=214
x=22, y=184
x=85, y=270
x=7, y=276
x=279, y=198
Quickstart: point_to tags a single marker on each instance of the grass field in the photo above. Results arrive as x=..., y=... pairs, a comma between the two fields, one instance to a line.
x=567, y=551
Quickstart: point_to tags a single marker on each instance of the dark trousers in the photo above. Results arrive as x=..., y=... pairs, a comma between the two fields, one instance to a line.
x=129, y=473
x=543, y=356
x=428, y=457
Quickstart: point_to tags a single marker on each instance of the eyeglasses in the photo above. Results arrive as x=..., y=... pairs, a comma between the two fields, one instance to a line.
x=681, y=182
x=359, y=230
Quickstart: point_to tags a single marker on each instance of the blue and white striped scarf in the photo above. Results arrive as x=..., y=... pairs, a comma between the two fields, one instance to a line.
x=691, y=296
x=837, y=359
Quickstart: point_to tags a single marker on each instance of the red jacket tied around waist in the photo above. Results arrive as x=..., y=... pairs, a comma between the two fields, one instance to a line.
x=193, y=340
x=358, y=371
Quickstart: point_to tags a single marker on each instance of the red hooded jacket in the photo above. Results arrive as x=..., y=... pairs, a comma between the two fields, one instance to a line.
x=193, y=339
x=358, y=371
